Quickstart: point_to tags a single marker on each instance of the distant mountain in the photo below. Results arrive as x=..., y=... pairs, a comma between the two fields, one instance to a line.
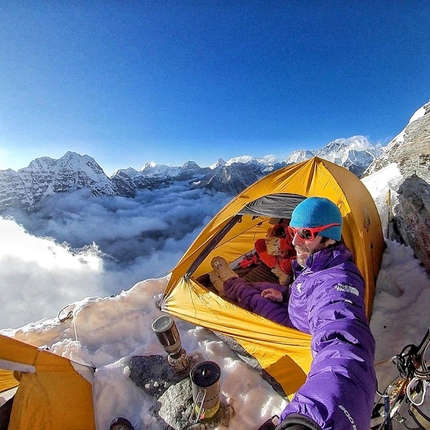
x=354, y=153
x=46, y=176
x=231, y=178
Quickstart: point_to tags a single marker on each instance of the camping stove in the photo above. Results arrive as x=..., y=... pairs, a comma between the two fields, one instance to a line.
x=167, y=333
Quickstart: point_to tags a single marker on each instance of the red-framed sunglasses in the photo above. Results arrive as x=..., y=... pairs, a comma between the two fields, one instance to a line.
x=309, y=233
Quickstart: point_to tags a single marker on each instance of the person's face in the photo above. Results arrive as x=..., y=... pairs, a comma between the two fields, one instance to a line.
x=305, y=248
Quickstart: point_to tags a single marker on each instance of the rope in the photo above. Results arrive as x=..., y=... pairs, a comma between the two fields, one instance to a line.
x=413, y=389
x=67, y=317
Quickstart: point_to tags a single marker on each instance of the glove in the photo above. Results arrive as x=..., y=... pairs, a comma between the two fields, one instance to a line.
x=273, y=245
x=297, y=422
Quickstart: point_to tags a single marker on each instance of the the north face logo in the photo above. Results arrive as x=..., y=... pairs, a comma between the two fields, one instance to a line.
x=347, y=288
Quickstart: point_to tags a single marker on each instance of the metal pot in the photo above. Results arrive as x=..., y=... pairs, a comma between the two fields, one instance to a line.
x=205, y=382
x=167, y=333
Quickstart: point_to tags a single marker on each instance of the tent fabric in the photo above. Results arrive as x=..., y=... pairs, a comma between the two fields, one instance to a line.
x=284, y=353
x=51, y=393
x=273, y=205
x=7, y=380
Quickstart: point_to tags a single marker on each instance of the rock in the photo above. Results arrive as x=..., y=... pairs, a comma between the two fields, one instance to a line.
x=173, y=393
x=410, y=150
x=154, y=374
x=413, y=217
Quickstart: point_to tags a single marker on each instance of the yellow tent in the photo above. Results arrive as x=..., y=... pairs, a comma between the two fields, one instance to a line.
x=53, y=392
x=281, y=352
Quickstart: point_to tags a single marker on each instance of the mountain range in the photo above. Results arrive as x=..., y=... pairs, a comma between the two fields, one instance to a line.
x=408, y=203
x=45, y=176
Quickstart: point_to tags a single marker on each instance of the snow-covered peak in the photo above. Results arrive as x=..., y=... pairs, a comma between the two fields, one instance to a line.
x=355, y=153
x=220, y=163
x=153, y=169
x=190, y=165
x=299, y=156
x=149, y=165
x=267, y=160
x=129, y=171
x=356, y=143
x=242, y=159
x=45, y=176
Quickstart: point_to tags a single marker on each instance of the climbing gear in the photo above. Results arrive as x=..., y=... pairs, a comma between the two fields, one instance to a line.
x=407, y=392
x=249, y=260
x=65, y=313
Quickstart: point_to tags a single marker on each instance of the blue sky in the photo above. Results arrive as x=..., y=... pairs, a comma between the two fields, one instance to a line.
x=128, y=82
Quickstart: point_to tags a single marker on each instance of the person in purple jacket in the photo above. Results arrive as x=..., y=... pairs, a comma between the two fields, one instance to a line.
x=325, y=300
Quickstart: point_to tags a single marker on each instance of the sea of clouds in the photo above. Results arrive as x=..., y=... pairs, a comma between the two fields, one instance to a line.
x=76, y=246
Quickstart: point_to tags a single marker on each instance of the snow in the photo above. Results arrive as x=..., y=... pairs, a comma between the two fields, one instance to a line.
x=152, y=169
x=339, y=151
x=381, y=183
x=359, y=143
x=418, y=114
x=267, y=160
x=106, y=332
x=399, y=139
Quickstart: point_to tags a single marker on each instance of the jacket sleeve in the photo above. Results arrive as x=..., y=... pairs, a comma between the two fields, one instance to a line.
x=339, y=390
x=248, y=296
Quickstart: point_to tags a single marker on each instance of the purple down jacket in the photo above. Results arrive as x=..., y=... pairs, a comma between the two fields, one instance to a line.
x=327, y=301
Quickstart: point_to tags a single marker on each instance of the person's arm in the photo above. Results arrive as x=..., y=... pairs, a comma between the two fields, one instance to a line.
x=248, y=296
x=340, y=387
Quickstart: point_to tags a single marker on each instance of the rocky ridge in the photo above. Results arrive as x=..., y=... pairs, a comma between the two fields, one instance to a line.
x=410, y=202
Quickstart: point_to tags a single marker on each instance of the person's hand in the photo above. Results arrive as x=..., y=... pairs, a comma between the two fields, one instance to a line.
x=272, y=294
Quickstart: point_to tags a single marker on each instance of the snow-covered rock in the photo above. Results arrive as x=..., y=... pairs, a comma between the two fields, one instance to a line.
x=409, y=203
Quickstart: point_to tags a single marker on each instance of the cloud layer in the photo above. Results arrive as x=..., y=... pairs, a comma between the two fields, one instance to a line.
x=76, y=246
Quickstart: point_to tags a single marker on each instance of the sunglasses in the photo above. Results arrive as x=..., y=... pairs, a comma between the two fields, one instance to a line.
x=309, y=233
